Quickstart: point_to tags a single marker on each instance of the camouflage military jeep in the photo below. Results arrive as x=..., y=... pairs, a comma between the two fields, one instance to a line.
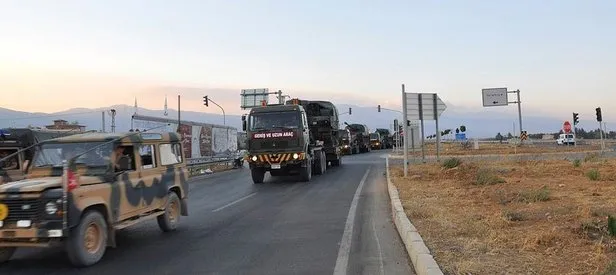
x=82, y=188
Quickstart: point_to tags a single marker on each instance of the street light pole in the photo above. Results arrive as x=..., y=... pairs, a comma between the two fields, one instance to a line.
x=223, y=111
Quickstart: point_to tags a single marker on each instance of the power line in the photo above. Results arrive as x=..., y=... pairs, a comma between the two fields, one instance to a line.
x=51, y=115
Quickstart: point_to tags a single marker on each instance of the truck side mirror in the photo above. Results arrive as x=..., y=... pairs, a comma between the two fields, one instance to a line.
x=244, y=125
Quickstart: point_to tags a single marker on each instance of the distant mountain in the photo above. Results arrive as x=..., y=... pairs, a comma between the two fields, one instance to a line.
x=482, y=123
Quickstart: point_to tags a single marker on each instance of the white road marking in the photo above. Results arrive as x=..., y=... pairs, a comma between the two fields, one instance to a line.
x=234, y=202
x=345, y=244
x=378, y=245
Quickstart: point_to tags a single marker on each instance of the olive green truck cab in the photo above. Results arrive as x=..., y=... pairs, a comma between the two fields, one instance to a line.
x=80, y=189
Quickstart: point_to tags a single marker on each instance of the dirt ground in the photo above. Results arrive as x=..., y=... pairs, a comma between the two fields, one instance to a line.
x=504, y=149
x=532, y=217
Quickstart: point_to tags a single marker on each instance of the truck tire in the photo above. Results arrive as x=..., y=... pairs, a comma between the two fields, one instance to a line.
x=6, y=253
x=87, y=242
x=337, y=162
x=169, y=221
x=320, y=164
x=305, y=173
x=257, y=175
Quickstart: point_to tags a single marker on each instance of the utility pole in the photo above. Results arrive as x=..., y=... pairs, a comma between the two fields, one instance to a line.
x=405, y=140
x=179, y=121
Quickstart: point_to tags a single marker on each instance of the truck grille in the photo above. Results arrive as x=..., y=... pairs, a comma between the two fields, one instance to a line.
x=22, y=209
x=272, y=144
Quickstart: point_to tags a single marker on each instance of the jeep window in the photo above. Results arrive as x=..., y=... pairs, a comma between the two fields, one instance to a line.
x=170, y=153
x=146, y=152
x=277, y=120
x=10, y=164
x=52, y=154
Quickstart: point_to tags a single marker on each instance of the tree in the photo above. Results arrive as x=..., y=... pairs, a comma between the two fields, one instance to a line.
x=499, y=136
x=509, y=136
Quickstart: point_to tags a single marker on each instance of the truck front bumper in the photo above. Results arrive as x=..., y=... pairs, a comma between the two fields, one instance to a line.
x=276, y=161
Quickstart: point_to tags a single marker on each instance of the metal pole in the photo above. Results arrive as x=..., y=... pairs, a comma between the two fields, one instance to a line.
x=413, y=141
x=103, y=117
x=601, y=135
x=520, y=112
x=224, y=122
x=438, y=132
x=406, y=143
x=179, y=121
x=423, y=134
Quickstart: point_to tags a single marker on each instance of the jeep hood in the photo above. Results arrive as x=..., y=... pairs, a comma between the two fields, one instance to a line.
x=41, y=184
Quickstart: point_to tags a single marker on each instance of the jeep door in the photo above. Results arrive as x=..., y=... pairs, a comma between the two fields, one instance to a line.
x=154, y=190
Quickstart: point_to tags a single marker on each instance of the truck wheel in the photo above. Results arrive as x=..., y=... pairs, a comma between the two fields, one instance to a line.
x=87, y=242
x=169, y=221
x=337, y=162
x=257, y=175
x=6, y=253
x=321, y=164
x=306, y=172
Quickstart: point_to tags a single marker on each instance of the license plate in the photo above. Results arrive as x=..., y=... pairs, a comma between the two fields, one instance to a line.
x=275, y=166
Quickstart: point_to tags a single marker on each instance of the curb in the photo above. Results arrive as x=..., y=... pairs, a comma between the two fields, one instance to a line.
x=422, y=260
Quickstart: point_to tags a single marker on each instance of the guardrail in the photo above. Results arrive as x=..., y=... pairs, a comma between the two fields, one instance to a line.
x=197, y=167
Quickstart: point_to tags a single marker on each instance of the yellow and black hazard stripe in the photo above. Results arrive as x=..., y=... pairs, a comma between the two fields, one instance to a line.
x=277, y=158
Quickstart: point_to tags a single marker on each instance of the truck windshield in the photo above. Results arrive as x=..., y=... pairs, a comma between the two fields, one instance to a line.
x=374, y=136
x=266, y=121
x=10, y=164
x=52, y=154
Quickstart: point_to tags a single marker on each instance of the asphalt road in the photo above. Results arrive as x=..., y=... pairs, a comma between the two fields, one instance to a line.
x=280, y=227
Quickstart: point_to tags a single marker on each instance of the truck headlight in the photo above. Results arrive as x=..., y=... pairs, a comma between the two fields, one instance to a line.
x=254, y=158
x=51, y=208
x=295, y=156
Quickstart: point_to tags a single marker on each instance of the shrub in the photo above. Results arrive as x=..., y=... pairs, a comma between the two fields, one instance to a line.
x=486, y=176
x=577, y=163
x=593, y=175
x=452, y=163
x=542, y=194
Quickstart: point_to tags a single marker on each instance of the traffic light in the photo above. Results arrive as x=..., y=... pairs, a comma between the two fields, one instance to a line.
x=206, y=102
x=408, y=123
x=576, y=119
x=599, y=118
x=379, y=108
x=350, y=110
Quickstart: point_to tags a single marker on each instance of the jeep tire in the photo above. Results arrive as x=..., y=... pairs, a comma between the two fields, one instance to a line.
x=169, y=221
x=87, y=242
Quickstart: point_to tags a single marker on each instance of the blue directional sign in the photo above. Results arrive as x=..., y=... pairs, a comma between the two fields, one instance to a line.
x=461, y=136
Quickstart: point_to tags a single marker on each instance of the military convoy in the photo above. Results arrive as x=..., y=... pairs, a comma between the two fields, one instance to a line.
x=300, y=137
x=360, y=138
x=81, y=188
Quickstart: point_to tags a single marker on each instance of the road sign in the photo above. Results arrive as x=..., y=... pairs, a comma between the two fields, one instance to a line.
x=494, y=97
x=567, y=127
x=424, y=106
x=254, y=97
x=461, y=136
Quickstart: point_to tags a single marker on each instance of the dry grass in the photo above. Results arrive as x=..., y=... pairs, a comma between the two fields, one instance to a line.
x=503, y=149
x=541, y=217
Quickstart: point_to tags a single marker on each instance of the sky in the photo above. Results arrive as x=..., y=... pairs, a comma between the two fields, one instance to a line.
x=57, y=55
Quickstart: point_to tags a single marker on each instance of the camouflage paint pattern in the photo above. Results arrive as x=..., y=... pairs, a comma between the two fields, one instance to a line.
x=131, y=194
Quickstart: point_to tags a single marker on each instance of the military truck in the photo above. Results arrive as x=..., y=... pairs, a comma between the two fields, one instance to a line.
x=386, y=138
x=12, y=140
x=298, y=137
x=360, y=138
x=82, y=188
x=375, y=141
x=344, y=135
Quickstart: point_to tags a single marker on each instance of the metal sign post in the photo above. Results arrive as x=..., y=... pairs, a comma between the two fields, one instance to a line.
x=499, y=97
x=424, y=106
x=438, y=132
x=406, y=143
